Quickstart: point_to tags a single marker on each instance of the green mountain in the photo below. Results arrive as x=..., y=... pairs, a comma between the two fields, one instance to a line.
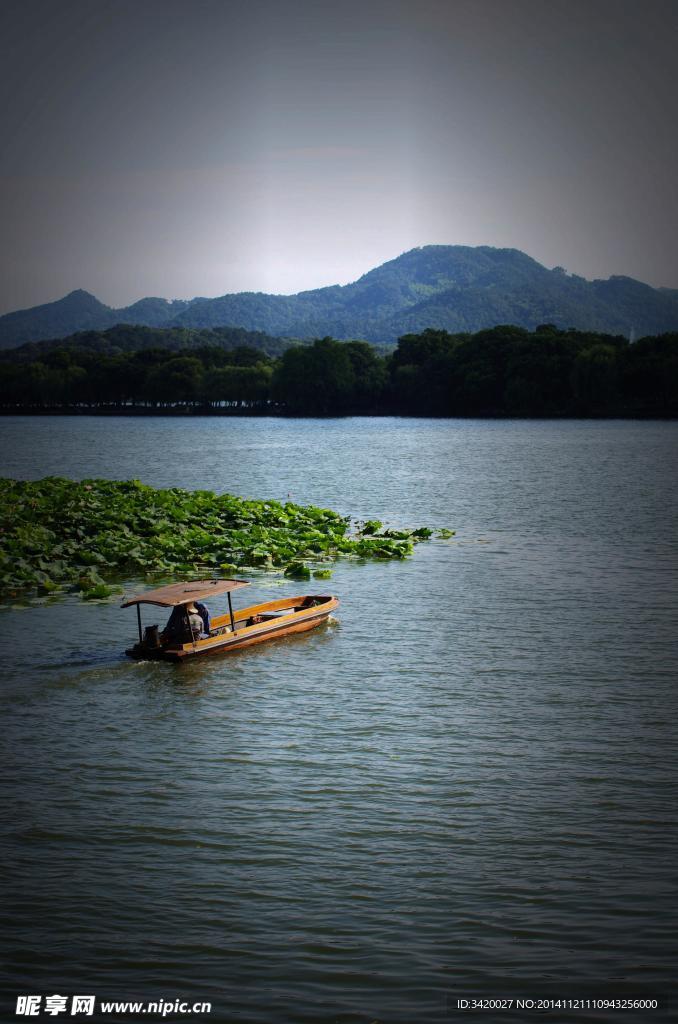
x=457, y=288
x=80, y=311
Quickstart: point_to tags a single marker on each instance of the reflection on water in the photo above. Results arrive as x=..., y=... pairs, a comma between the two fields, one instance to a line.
x=464, y=784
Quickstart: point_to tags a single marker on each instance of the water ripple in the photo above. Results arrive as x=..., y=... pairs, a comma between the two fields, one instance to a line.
x=465, y=786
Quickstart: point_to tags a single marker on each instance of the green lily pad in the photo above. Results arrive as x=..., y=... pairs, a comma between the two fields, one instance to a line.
x=60, y=534
x=298, y=571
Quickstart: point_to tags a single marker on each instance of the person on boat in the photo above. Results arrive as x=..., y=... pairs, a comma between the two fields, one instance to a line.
x=205, y=616
x=194, y=620
x=198, y=623
x=176, y=629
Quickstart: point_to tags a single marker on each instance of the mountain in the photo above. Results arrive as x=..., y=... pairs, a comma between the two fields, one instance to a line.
x=455, y=287
x=80, y=311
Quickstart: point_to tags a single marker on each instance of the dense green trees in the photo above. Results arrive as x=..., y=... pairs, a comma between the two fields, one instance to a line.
x=134, y=338
x=508, y=371
x=155, y=378
x=505, y=371
x=330, y=377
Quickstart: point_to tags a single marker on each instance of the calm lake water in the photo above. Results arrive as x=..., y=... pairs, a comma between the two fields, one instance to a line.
x=463, y=786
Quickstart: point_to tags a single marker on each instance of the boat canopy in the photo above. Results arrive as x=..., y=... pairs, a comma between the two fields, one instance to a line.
x=185, y=593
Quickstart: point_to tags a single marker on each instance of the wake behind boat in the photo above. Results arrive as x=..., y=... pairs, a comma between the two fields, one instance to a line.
x=191, y=632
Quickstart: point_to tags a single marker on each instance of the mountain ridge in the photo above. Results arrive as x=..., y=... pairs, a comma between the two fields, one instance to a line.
x=79, y=310
x=456, y=288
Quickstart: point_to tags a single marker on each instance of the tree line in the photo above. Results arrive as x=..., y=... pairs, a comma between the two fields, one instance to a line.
x=505, y=371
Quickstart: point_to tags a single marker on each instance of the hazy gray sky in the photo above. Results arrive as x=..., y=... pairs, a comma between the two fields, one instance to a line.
x=197, y=147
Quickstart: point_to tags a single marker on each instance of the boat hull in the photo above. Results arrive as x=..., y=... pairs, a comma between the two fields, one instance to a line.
x=279, y=619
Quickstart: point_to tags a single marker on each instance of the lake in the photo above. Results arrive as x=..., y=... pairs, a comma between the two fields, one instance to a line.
x=464, y=786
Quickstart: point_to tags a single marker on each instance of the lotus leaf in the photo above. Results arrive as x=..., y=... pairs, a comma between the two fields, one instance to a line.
x=99, y=593
x=58, y=532
x=298, y=571
x=370, y=526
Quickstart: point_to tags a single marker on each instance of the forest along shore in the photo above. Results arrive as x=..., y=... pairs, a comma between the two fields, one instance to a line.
x=504, y=371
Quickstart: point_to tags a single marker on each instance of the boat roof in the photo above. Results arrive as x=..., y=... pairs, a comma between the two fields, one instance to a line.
x=184, y=593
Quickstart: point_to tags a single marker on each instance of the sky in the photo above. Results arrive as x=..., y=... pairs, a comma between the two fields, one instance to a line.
x=199, y=147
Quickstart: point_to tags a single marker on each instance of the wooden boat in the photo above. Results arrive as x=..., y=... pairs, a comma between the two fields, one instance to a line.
x=228, y=632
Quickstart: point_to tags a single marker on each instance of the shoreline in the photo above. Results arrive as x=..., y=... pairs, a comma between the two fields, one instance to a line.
x=202, y=412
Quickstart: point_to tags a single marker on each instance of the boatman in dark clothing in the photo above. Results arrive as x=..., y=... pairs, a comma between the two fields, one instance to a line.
x=198, y=623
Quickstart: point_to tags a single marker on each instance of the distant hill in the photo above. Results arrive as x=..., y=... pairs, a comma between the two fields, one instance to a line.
x=126, y=338
x=454, y=287
x=80, y=311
